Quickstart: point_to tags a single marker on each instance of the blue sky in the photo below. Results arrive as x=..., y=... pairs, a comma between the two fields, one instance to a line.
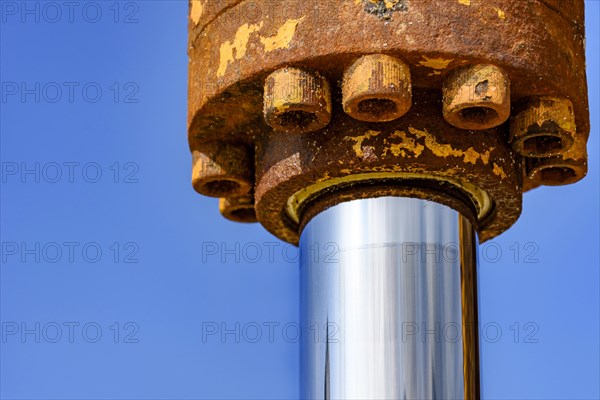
x=119, y=281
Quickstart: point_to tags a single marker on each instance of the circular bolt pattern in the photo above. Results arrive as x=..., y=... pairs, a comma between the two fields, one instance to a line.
x=297, y=101
x=238, y=209
x=544, y=127
x=477, y=97
x=222, y=170
x=377, y=88
x=564, y=169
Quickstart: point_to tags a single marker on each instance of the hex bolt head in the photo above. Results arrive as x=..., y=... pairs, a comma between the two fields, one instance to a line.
x=296, y=101
x=239, y=208
x=377, y=88
x=564, y=169
x=543, y=127
x=477, y=97
x=222, y=170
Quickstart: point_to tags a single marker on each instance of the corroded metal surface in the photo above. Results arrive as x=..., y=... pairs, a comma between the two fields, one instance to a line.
x=419, y=150
x=238, y=209
x=296, y=101
x=477, y=97
x=222, y=169
x=543, y=127
x=377, y=88
x=236, y=44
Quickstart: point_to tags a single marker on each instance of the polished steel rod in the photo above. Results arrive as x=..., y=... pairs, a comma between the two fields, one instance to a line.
x=389, y=302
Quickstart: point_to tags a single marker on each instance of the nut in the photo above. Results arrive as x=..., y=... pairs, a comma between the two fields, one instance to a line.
x=477, y=97
x=222, y=170
x=297, y=101
x=564, y=169
x=377, y=88
x=239, y=208
x=544, y=127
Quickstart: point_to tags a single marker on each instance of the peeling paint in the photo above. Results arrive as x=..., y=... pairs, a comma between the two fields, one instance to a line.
x=498, y=170
x=283, y=37
x=235, y=50
x=435, y=63
x=407, y=144
x=196, y=11
x=470, y=155
x=410, y=147
x=359, y=141
x=485, y=158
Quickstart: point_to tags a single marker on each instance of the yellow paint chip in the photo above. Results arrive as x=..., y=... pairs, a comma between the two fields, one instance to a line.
x=196, y=10
x=498, y=170
x=444, y=150
x=283, y=37
x=486, y=157
x=359, y=141
x=236, y=49
x=501, y=14
x=471, y=156
x=406, y=144
x=435, y=63
x=409, y=146
x=465, y=2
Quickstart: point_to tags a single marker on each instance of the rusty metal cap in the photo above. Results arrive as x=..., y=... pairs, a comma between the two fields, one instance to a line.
x=222, y=170
x=477, y=97
x=377, y=88
x=297, y=101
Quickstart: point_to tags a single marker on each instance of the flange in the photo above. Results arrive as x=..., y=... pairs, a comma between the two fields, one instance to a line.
x=460, y=58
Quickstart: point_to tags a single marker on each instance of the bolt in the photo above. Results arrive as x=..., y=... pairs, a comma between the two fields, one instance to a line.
x=239, y=208
x=477, y=97
x=564, y=169
x=222, y=170
x=297, y=101
x=543, y=127
x=377, y=88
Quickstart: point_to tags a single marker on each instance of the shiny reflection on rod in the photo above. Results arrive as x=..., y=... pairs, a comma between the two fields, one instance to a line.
x=388, y=302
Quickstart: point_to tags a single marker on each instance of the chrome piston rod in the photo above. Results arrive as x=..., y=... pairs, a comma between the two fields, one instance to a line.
x=388, y=302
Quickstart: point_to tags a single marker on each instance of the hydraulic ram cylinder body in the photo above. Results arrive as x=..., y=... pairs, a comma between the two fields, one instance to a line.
x=389, y=310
